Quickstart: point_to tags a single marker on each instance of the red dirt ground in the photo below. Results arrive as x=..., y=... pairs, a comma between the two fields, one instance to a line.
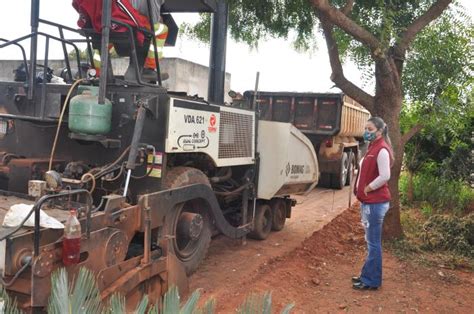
x=316, y=277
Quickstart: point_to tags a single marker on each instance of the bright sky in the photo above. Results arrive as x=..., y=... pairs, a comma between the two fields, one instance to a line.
x=281, y=67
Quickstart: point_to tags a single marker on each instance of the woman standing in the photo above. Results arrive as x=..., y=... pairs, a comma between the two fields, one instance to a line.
x=372, y=191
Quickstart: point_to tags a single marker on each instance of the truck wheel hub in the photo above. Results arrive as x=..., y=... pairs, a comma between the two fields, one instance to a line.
x=190, y=225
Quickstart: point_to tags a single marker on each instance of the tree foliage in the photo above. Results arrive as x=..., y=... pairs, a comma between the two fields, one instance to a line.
x=388, y=39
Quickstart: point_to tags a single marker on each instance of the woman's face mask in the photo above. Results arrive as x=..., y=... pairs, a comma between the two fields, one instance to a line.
x=369, y=136
x=370, y=133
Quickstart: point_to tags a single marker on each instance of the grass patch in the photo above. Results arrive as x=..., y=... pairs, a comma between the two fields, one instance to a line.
x=440, y=240
x=434, y=194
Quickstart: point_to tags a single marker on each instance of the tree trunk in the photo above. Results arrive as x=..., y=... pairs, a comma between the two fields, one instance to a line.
x=388, y=103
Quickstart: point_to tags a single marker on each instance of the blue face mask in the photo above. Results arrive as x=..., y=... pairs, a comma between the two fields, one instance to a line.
x=369, y=136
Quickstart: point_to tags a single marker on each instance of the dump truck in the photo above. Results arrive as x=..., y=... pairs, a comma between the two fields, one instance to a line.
x=151, y=174
x=333, y=122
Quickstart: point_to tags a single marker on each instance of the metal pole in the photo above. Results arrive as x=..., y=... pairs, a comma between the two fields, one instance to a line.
x=35, y=7
x=104, y=48
x=217, y=61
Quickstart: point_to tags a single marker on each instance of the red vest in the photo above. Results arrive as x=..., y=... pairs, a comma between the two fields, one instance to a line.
x=90, y=15
x=369, y=171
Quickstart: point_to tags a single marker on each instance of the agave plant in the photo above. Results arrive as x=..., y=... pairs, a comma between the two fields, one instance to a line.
x=7, y=305
x=260, y=304
x=82, y=295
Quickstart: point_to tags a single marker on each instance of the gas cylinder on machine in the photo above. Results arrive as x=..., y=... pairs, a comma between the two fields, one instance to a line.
x=72, y=239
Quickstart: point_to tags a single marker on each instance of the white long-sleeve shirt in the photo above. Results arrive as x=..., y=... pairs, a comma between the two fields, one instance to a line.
x=383, y=165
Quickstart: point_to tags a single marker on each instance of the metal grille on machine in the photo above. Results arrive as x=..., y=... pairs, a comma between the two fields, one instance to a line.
x=235, y=135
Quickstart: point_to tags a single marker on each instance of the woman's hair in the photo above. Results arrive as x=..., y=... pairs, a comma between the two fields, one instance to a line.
x=381, y=125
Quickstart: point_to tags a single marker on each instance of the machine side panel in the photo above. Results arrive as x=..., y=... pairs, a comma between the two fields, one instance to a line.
x=289, y=164
x=226, y=135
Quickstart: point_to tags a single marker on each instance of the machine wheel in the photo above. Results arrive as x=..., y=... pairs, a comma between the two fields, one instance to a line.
x=278, y=214
x=263, y=222
x=351, y=167
x=324, y=180
x=338, y=180
x=190, y=223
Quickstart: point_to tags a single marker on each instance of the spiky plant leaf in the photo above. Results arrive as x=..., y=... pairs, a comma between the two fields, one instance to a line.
x=7, y=304
x=288, y=308
x=117, y=305
x=59, y=298
x=171, y=301
x=154, y=309
x=85, y=297
x=208, y=308
x=141, y=307
x=191, y=304
x=267, y=303
x=257, y=304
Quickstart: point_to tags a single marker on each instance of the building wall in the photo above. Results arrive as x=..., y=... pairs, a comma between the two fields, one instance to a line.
x=184, y=76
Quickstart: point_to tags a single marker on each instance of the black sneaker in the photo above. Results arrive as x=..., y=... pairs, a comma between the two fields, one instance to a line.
x=355, y=279
x=361, y=286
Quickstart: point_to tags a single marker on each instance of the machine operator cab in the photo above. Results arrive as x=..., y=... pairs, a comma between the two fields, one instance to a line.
x=138, y=29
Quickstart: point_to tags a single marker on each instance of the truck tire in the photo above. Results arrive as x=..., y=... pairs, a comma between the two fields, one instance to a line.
x=263, y=222
x=189, y=225
x=338, y=180
x=325, y=180
x=278, y=206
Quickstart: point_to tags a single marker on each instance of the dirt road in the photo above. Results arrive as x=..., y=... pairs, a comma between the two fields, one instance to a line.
x=228, y=260
x=313, y=270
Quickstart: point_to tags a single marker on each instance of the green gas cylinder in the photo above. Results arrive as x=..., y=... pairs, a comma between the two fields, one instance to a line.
x=86, y=116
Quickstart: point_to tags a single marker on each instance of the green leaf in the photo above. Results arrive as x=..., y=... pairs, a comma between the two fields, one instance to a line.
x=288, y=308
x=117, y=305
x=7, y=305
x=171, y=301
x=208, y=308
x=59, y=302
x=256, y=303
x=141, y=307
x=191, y=304
x=83, y=298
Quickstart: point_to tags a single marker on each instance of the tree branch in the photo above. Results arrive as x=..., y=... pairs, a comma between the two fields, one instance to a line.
x=412, y=132
x=339, y=19
x=347, y=8
x=337, y=75
x=407, y=37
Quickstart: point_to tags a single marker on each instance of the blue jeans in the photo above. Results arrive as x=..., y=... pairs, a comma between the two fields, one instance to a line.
x=372, y=219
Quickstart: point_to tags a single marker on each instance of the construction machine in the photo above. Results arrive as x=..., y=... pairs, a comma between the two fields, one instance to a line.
x=152, y=174
x=333, y=122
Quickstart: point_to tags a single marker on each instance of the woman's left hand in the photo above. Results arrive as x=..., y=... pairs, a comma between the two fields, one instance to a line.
x=367, y=189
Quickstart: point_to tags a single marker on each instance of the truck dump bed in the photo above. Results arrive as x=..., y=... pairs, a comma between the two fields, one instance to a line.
x=326, y=114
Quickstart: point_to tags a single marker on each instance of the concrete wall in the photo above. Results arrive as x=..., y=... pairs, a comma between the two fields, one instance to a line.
x=184, y=76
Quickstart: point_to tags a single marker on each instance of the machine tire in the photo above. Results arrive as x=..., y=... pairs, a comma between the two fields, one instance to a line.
x=192, y=256
x=263, y=222
x=338, y=180
x=324, y=180
x=350, y=169
x=278, y=214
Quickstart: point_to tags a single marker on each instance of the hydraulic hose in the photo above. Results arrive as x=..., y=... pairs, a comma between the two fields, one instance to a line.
x=137, y=134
